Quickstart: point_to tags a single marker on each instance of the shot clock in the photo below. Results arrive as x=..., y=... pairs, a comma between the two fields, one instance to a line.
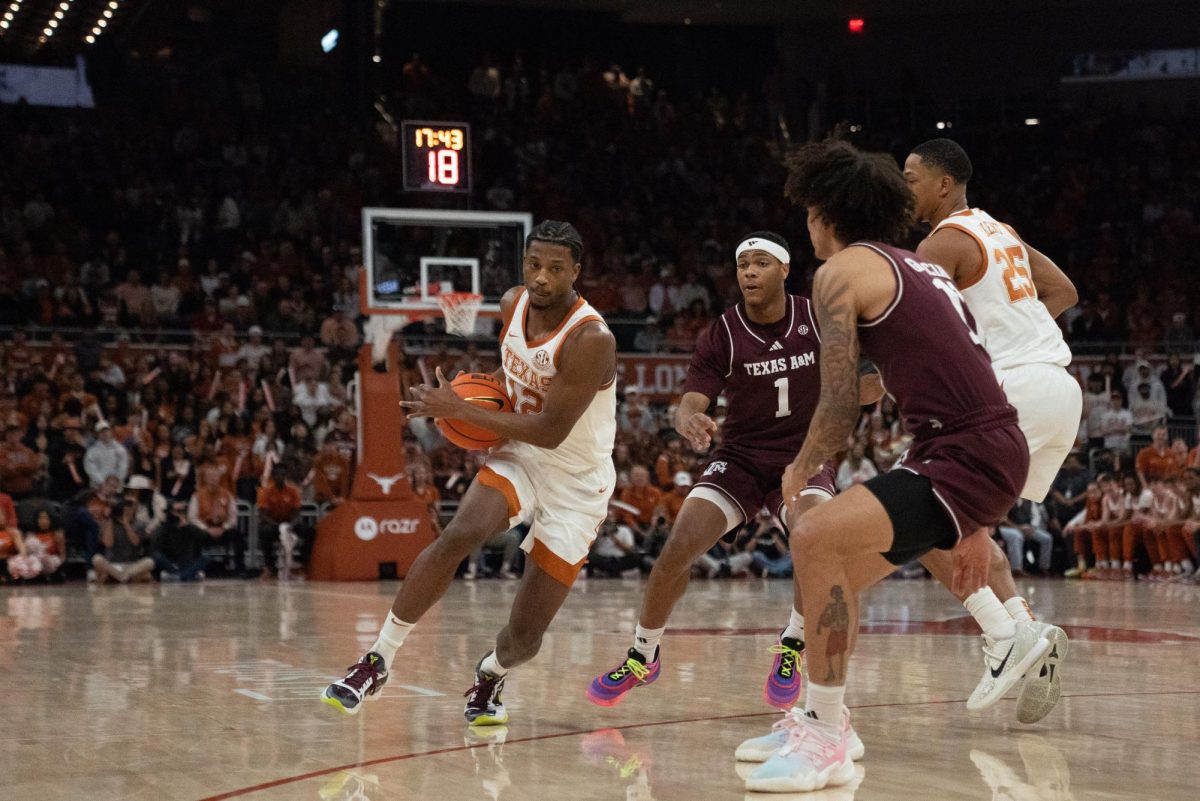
x=437, y=156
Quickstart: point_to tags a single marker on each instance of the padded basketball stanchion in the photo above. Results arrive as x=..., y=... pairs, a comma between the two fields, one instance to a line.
x=382, y=525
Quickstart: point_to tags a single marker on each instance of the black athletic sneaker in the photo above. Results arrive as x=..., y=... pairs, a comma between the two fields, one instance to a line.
x=365, y=679
x=484, y=706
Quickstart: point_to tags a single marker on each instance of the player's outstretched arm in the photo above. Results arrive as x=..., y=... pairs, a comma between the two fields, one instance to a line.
x=589, y=359
x=691, y=421
x=838, y=408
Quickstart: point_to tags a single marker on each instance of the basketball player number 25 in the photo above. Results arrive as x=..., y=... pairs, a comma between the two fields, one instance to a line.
x=952, y=292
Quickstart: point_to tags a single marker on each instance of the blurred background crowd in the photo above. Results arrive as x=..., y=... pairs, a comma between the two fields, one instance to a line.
x=178, y=274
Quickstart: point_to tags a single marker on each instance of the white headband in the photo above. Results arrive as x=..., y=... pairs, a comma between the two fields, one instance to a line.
x=766, y=246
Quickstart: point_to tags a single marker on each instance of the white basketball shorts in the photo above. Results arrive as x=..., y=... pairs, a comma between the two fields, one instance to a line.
x=1049, y=404
x=563, y=509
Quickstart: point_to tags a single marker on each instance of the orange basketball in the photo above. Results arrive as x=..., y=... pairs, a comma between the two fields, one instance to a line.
x=481, y=389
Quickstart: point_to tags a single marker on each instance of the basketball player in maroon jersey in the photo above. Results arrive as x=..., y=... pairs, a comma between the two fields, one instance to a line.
x=762, y=354
x=965, y=469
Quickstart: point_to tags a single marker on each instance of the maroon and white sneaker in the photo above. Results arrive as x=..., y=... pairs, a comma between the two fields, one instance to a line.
x=365, y=679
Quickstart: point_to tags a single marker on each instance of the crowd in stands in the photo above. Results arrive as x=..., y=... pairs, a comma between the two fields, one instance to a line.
x=228, y=208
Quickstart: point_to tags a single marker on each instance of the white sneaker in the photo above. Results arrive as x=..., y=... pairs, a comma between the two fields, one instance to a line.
x=1043, y=686
x=815, y=756
x=760, y=749
x=1006, y=661
x=91, y=575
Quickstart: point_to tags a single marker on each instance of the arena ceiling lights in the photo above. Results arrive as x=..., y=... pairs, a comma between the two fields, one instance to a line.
x=10, y=15
x=102, y=21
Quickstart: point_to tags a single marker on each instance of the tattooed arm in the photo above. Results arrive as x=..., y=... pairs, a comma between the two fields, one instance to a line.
x=838, y=409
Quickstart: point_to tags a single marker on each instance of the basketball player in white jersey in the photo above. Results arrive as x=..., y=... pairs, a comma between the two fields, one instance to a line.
x=554, y=472
x=1014, y=293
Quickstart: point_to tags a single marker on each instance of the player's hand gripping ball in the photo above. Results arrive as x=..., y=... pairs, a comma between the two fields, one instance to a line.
x=481, y=389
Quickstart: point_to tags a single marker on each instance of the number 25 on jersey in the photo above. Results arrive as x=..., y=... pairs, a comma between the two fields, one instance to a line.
x=1017, y=278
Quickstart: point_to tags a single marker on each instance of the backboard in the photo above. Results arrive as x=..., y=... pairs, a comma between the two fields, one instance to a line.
x=410, y=255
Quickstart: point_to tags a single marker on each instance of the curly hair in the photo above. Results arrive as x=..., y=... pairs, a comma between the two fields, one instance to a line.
x=862, y=195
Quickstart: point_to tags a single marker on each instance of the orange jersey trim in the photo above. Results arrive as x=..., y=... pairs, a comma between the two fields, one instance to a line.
x=554, y=565
x=490, y=478
x=542, y=340
x=983, y=254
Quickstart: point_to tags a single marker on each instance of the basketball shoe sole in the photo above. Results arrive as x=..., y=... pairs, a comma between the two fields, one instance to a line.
x=1043, y=686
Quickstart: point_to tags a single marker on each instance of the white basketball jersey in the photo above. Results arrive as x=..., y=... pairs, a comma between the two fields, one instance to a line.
x=1015, y=326
x=529, y=368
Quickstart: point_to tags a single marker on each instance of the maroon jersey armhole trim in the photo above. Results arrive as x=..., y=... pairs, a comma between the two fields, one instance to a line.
x=812, y=318
x=899, y=287
x=728, y=333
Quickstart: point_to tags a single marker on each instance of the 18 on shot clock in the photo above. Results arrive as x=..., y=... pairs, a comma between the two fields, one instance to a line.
x=437, y=156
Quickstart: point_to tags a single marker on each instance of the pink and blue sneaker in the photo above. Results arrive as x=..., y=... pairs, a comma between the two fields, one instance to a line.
x=786, y=679
x=610, y=688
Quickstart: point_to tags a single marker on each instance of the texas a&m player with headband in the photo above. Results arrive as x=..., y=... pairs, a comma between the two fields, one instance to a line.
x=963, y=472
x=555, y=472
x=1014, y=293
x=762, y=354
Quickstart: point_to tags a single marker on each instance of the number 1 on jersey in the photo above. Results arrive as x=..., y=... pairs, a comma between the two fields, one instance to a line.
x=784, y=409
x=951, y=291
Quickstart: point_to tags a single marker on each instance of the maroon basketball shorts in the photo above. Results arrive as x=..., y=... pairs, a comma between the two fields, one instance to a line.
x=740, y=488
x=949, y=486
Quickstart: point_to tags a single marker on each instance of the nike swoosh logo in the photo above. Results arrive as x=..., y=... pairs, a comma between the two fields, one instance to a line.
x=998, y=670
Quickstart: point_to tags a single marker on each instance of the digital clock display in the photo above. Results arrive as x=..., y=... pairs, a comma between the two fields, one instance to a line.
x=437, y=156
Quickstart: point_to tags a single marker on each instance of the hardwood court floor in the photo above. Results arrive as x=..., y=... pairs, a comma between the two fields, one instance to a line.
x=194, y=692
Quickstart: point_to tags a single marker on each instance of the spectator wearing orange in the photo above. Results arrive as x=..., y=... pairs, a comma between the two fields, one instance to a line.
x=279, y=505
x=1081, y=529
x=672, y=502
x=12, y=544
x=307, y=358
x=20, y=467
x=331, y=474
x=237, y=450
x=643, y=497
x=670, y=463
x=1144, y=512
x=1169, y=511
x=1156, y=461
x=428, y=494
x=1116, y=509
x=214, y=509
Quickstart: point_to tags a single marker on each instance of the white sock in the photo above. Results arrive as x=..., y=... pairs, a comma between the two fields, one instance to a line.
x=795, y=627
x=1187, y=566
x=491, y=664
x=645, y=641
x=390, y=638
x=990, y=614
x=1129, y=565
x=824, y=703
x=1019, y=609
x=1102, y=564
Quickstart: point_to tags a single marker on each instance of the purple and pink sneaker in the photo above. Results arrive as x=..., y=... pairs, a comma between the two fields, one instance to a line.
x=610, y=688
x=786, y=679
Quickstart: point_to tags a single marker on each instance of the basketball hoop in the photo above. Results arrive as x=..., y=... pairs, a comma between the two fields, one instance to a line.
x=460, y=310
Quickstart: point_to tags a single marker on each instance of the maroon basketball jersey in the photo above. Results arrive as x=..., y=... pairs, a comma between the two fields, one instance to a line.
x=927, y=352
x=770, y=377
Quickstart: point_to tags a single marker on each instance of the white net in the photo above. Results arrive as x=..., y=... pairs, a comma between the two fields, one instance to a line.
x=460, y=310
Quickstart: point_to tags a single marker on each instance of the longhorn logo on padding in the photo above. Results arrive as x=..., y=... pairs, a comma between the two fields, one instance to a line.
x=385, y=482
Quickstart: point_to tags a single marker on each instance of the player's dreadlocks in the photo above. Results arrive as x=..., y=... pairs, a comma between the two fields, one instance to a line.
x=555, y=232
